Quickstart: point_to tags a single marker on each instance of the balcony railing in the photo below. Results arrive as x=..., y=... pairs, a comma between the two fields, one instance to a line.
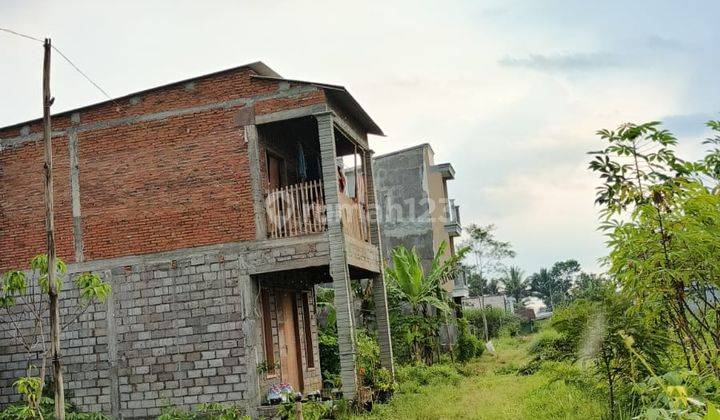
x=355, y=218
x=452, y=216
x=297, y=209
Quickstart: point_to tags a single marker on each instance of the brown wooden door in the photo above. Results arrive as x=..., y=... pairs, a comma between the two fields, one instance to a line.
x=276, y=167
x=289, y=343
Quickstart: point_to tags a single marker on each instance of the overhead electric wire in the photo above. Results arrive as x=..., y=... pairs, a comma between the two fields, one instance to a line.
x=82, y=73
x=10, y=31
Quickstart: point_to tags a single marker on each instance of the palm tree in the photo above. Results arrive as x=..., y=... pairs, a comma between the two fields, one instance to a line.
x=515, y=284
x=544, y=286
x=408, y=283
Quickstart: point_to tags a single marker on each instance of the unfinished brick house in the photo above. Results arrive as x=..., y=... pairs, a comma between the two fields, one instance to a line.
x=212, y=206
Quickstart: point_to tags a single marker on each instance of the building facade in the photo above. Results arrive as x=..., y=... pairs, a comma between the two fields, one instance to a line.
x=502, y=302
x=414, y=208
x=212, y=206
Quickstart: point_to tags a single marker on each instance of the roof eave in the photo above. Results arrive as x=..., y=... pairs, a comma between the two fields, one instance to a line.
x=344, y=96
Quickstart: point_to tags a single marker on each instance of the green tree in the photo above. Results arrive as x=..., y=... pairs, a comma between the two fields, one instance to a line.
x=490, y=255
x=553, y=286
x=542, y=285
x=662, y=217
x=588, y=286
x=408, y=284
x=515, y=284
x=24, y=297
x=479, y=286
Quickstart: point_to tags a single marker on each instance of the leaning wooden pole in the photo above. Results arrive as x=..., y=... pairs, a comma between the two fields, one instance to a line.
x=50, y=237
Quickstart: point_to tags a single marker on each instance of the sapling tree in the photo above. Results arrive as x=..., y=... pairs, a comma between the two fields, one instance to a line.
x=662, y=218
x=24, y=305
x=490, y=254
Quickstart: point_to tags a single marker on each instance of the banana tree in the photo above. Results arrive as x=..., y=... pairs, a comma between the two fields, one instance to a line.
x=421, y=292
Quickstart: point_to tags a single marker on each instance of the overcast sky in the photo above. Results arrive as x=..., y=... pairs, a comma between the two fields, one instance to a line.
x=509, y=92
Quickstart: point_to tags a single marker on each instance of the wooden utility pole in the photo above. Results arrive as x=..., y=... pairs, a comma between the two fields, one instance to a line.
x=50, y=237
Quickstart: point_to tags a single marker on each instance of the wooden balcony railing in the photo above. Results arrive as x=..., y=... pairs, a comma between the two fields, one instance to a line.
x=297, y=209
x=354, y=218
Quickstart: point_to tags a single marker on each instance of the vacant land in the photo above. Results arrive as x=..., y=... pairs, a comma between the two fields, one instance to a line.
x=490, y=389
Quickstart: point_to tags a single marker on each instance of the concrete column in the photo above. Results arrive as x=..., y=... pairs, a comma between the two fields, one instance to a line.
x=75, y=194
x=251, y=137
x=382, y=317
x=112, y=343
x=252, y=339
x=338, y=263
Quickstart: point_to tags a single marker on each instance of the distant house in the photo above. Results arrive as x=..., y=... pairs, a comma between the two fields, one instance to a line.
x=414, y=209
x=504, y=302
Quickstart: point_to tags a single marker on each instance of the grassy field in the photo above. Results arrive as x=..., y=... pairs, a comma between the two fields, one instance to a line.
x=492, y=391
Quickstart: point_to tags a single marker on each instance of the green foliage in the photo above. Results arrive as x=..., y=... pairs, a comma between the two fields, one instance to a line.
x=549, y=346
x=664, y=247
x=315, y=410
x=467, y=346
x=676, y=394
x=205, y=411
x=419, y=302
x=383, y=380
x=553, y=286
x=327, y=335
x=515, y=284
x=589, y=287
x=47, y=410
x=410, y=377
x=367, y=357
x=490, y=254
x=498, y=321
x=487, y=388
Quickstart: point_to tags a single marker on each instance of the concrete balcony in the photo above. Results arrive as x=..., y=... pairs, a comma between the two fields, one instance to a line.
x=452, y=220
x=460, y=287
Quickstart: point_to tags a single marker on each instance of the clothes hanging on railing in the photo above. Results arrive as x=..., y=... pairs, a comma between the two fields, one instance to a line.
x=302, y=165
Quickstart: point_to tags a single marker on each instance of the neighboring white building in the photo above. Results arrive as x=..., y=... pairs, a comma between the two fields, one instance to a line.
x=506, y=303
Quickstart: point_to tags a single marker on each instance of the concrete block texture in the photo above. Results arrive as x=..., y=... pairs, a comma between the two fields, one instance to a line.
x=163, y=336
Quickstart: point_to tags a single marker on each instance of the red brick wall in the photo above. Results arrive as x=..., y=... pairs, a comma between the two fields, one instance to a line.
x=147, y=187
x=22, y=203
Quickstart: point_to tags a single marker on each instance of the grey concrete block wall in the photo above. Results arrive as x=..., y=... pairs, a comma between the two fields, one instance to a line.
x=403, y=208
x=179, y=334
x=175, y=330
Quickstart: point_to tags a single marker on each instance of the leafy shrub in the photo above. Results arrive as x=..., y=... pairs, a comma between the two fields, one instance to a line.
x=549, y=346
x=468, y=345
x=677, y=394
x=207, y=411
x=329, y=355
x=572, y=319
x=498, y=321
x=570, y=374
x=327, y=335
x=437, y=374
x=368, y=356
x=47, y=408
x=311, y=410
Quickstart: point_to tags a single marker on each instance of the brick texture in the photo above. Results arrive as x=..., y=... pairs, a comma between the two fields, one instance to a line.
x=161, y=170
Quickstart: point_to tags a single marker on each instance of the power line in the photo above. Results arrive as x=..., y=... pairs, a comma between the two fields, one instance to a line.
x=82, y=73
x=10, y=31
